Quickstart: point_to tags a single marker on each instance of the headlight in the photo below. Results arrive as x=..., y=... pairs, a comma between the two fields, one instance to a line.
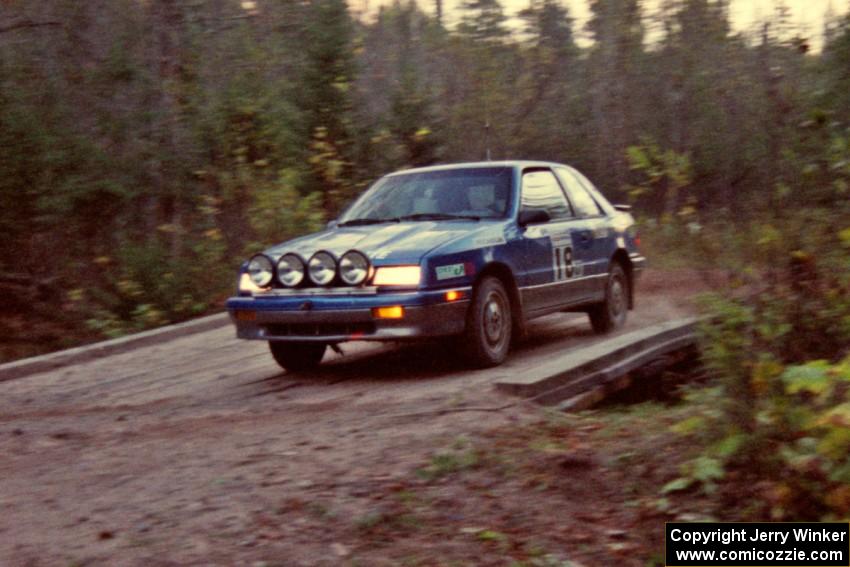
x=260, y=270
x=353, y=267
x=322, y=268
x=397, y=275
x=290, y=270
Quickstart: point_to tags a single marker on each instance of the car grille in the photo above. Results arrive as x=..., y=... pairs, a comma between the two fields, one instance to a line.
x=319, y=329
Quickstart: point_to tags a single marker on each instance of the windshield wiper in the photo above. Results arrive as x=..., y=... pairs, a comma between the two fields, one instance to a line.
x=438, y=216
x=356, y=222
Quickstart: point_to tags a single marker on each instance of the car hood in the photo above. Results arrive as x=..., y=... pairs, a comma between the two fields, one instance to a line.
x=392, y=243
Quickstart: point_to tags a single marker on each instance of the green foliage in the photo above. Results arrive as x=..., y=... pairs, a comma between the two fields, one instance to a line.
x=279, y=212
x=778, y=344
x=491, y=535
x=664, y=174
x=446, y=463
x=143, y=287
x=325, y=101
x=796, y=456
x=143, y=172
x=776, y=337
x=483, y=21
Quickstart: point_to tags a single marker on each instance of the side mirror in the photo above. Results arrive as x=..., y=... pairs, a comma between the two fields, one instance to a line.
x=533, y=216
x=333, y=224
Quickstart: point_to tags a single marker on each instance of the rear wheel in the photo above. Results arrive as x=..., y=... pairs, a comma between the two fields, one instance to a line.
x=487, y=337
x=295, y=356
x=611, y=313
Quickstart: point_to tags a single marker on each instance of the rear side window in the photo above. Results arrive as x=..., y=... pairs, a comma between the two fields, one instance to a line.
x=581, y=199
x=540, y=190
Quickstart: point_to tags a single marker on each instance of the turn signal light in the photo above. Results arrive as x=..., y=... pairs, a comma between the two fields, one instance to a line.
x=454, y=295
x=394, y=312
x=246, y=315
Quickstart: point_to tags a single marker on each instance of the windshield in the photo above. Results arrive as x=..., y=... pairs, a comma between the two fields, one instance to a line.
x=469, y=193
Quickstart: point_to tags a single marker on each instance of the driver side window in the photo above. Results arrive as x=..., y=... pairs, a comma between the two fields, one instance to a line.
x=540, y=190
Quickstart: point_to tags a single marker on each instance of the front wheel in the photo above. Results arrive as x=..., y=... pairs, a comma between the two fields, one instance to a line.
x=295, y=356
x=611, y=313
x=487, y=337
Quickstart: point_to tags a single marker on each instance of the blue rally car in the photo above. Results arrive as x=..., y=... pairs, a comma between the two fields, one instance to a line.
x=469, y=250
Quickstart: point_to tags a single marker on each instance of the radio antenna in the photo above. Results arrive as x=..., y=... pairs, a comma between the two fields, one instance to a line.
x=487, y=128
x=487, y=137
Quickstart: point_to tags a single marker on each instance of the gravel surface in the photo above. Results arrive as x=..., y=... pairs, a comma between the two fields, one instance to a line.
x=190, y=452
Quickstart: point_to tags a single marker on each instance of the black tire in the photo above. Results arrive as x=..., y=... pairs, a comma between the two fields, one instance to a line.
x=611, y=313
x=295, y=357
x=487, y=337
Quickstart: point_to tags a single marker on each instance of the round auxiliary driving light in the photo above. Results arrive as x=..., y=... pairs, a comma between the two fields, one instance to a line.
x=260, y=270
x=290, y=270
x=353, y=267
x=322, y=268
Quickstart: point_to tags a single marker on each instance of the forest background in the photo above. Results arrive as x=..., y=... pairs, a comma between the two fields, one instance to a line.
x=149, y=146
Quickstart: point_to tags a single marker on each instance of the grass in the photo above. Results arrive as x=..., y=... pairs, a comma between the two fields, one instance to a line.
x=542, y=494
x=443, y=464
x=545, y=494
x=380, y=521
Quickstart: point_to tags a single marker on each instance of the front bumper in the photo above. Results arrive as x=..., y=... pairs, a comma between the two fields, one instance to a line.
x=638, y=267
x=338, y=317
x=638, y=263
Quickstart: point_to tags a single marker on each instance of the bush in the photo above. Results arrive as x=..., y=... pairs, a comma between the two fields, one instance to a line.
x=778, y=418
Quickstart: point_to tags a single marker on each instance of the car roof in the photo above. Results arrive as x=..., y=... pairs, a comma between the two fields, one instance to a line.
x=479, y=164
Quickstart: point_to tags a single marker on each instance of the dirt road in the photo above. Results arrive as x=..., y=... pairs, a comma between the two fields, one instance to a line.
x=201, y=451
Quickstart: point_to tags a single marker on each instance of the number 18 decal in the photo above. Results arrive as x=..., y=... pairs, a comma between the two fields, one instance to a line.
x=563, y=263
